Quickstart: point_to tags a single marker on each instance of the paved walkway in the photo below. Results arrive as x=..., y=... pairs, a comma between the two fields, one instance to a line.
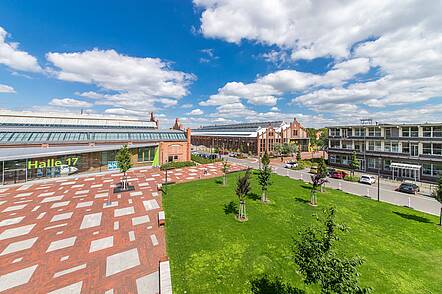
x=387, y=193
x=63, y=236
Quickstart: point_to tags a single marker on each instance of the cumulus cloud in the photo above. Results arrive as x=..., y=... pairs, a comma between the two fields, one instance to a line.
x=133, y=83
x=400, y=45
x=6, y=89
x=14, y=58
x=196, y=111
x=69, y=102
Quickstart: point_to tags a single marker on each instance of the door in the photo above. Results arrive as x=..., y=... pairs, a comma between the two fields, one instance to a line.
x=414, y=150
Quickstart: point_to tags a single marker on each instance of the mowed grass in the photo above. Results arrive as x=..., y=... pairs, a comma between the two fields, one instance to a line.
x=211, y=252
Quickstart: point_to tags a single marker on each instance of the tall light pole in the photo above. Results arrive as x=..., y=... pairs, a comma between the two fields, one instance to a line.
x=379, y=177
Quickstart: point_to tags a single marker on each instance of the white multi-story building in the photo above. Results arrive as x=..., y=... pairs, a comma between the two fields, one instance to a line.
x=406, y=151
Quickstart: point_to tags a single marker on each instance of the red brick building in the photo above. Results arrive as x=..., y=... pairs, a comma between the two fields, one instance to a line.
x=254, y=138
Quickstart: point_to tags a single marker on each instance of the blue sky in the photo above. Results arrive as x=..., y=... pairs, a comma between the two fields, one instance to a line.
x=211, y=61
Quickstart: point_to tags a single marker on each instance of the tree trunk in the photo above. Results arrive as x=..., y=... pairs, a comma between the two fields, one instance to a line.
x=264, y=196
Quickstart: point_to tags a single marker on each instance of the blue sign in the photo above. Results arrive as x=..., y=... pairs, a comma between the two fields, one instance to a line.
x=111, y=165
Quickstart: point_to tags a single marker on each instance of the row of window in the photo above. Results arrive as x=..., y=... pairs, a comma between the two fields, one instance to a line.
x=73, y=137
x=146, y=154
x=432, y=149
x=434, y=170
x=413, y=132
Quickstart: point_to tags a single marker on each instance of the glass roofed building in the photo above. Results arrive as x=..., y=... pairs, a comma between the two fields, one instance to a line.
x=253, y=138
x=33, y=147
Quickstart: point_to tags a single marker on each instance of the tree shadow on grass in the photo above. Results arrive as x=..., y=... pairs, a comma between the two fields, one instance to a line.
x=254, y=196
x=264, y=285
x=219, y=181
x=417, y=218
x=231, y=207
x=301, y=200
x=308, y=187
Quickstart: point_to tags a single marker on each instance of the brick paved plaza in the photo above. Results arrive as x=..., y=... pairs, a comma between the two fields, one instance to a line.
x=63, y=236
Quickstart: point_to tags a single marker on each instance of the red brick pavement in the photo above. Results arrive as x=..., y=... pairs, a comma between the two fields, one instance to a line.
x=63, y=236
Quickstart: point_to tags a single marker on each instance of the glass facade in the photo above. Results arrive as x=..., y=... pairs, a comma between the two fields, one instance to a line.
x=19, y=171
x=51, y=137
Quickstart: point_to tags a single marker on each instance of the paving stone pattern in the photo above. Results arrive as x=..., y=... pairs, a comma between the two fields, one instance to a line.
x=76, y=236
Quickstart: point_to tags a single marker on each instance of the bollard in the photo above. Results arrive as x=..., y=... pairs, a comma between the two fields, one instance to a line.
x=409, y=201
x=368, y=192
x=339, y=186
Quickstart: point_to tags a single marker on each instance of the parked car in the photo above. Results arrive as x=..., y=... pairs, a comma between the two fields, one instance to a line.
x=410, y=188
x=290, y=164
x=367, y=179
x=338, y=174
x=330, y=170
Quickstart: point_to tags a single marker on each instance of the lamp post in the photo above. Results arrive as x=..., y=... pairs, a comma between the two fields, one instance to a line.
x=379, y=177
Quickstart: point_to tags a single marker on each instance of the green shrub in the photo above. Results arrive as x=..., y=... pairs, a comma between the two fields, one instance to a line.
x=352, y=178
x=204, y=160
x=177, y=164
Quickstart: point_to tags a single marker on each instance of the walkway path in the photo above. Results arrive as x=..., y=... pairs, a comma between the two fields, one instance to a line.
x=64, y=236
x=387, y=193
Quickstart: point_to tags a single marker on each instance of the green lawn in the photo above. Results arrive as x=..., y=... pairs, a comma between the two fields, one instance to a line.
x=211, y=252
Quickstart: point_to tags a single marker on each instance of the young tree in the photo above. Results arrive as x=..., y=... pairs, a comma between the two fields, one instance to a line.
x=284, y=149
x=264, y=177
x=317, y=182
x=225, y=169
x=438, y=196
x=124, y=164
x=298, y=154
x=242, y=190
x=354, y=163
x=320, y=264
x=322, y=170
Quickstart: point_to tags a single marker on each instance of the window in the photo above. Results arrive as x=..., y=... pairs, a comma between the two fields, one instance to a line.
x=437, y=132
x=426, y=148
x=345, y=160
x=387, y=146
x=347, y=145
x=387, y=164
x=437, y=149
x=359, y=146
x=426, y=169
x=335, y=144
x=371, y=145
x=374, y=132
x=373, y=163
x=414, y=131
x=437, y=170
x=334, y=132
x=406, y=132
x=406, y=148
x=359, y=132
x=332, y=159
x=427, y=131
x=387, y=132
x=295, y=133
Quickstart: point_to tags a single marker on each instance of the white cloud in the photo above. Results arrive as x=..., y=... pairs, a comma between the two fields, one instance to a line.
x=14, y=58
x=312, y=28
x=129, y=82
x=402, y=42
x=187, y=105
x=196, y=111
x=69, y=102
x=6, y=89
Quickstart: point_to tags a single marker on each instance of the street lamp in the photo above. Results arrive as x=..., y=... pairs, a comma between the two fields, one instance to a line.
x=379, y=176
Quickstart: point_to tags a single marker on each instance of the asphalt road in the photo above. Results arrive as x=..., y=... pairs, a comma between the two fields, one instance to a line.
x=386, y=191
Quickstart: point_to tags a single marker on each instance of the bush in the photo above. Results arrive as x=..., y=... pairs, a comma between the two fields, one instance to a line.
x=204, y=160
x=177, y=164
x=352, y=178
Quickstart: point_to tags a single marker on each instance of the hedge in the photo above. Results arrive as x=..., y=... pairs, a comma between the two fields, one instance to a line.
x=177, y=164
x=204, y=160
